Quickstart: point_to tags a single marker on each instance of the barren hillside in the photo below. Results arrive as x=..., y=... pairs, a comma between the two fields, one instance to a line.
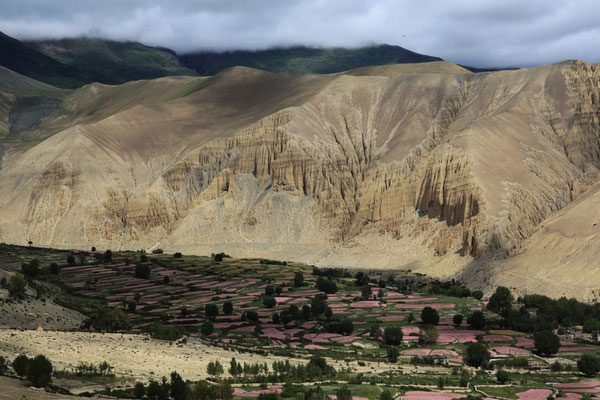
x=426, y=167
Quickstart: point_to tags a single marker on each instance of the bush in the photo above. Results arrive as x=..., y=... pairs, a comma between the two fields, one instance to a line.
x=19, y=364
x=430, y=316
x=39, y=371
x=476, y=355
x=16, y=286
x=392, y=335
x=556, y=367
x=546, y=343
x=457, y=319
x=502, y=376
x=589, y=365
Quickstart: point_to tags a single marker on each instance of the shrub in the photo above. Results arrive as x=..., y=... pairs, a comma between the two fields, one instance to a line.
x=19, y=364
x=39, y=371
x=457, y=319
x=16, y=286
x=430, y=316
x=589, y=365
x=392, y=335
x=546, y=342
x=556, y=367
x=476, y=355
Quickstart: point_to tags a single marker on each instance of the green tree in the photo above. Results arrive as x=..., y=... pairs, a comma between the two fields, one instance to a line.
x=214, y=368
x=428, y=335
x=3, y=366
x=235, y=368
x=269, y=290
x=476, y=355
x=154, y=391
x=108, y=256
x=546, y=342
x=591, y=325
x=39, y=371
x=386, y=395
x=478, y=294
x=589, y=365
x=228, y=308
x=71, y=260
x=107, y=319
x=392, y=335
x=502, y=376
x=224, y=390
x=54, y=269
x=139, y=390
x=326, y=285
x=366, y=292
x=16, y=286
x=392, y=354
x=457, y=319
x=178, y=387
x=19, y=364
x=142, y=271
x=430, y=316
x=204, y=391
x=211, y=311
x=476, y=320
x=343, y=393
x=269, y=301
x=298, y=279
x=207, y=328
x=501, y=300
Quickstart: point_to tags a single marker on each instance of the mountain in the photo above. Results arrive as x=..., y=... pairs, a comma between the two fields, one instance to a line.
x=302, y=60
x=73, y=62
x=490, y=178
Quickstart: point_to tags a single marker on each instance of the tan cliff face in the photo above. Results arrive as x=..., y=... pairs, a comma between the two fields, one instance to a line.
x=426, y=167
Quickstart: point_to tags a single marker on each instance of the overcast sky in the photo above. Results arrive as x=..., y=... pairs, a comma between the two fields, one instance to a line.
x=482, y=33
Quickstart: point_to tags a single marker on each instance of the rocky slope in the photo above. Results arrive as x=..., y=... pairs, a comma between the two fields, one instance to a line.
x=426, y=167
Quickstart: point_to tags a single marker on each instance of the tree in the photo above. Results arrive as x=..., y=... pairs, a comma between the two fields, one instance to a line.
x=178, y=387
x=207, y=328
x=108, y=256
x=54, y=269
x=178, y=255
x=31, y=269
x=211, y=311
x=269, y=301
x=430, y=316
x=326, y=285
x=154, y=390
x=392, y=354
x=215, y=368
x=502, y=376
x=478, y=294
x=269, y=290
x=343, y=393
x=546, y=342
x=591, y=325
x=589, y=365
x=224, y=390
x=16, y=286
x=139, y=390
x=131, y=306
x=144, y=258
x=375, y=331
x=476, y=320
x=428, y=334
x=228, y=308
x=39, y=371
x=457, y=319
x=298, y=279
x=235, y=368
x=386, y=395
x=3, y=366
x=71, y=260
x=19, y=364
x=366, y=292
x=107, y=319
x=204, y=391
x=142, y=271
x=476, y=355
x=410, y=318
x=392, y=335
x=501, y=300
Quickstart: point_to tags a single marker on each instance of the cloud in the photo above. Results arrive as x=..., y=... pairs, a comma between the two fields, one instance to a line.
x=472, y=32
